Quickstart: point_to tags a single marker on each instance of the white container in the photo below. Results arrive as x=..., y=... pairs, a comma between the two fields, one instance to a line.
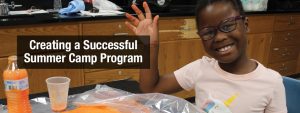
x=255, y=5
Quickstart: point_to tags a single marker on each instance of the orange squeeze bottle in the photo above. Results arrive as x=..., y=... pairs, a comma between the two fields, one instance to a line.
x=16, y=87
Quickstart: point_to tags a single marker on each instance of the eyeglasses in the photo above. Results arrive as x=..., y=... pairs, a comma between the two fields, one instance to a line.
x=225, y=26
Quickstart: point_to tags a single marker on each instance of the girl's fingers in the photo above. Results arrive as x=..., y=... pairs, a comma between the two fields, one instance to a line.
x=130, y=26
x=138, y=12
x=155, y=20
x=133, y=19
x=147, y=10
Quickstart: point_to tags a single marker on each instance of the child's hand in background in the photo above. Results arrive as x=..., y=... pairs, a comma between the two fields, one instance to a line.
x=143, y=25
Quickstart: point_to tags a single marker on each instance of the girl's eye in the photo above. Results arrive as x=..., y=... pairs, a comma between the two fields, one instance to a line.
x=228, y=27
x=208, y=35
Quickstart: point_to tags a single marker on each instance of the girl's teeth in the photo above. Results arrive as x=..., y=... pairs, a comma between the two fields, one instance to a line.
x=224, y=48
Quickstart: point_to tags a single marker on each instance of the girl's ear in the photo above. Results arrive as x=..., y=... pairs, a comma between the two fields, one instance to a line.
x=246, y=24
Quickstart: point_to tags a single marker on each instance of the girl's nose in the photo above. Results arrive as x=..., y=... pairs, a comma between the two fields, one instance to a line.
x=220, y=36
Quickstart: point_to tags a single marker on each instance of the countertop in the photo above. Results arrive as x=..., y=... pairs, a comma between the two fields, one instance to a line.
x=56, y=18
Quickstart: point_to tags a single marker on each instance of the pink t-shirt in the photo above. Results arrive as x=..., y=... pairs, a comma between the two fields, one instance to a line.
x=260, y=91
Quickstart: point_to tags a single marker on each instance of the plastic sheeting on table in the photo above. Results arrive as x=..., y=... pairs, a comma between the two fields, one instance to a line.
x=120, y=100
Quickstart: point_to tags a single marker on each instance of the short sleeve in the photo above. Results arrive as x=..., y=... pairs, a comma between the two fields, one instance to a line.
x=277, y=102
x=187, y=75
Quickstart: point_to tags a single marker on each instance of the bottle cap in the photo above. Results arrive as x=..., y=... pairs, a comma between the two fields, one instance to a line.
x=12, y=58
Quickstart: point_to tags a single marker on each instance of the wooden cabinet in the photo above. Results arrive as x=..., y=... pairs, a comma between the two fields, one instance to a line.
x=286, y=22
x=37, y=77
x=284, y=48
x=278, y=54
x=260, y=24
x=257, y=46
x=179, y=43
x=282, y=38
x=259, y=37
x=9, y=35
x=111, y=27
x=274, y=41
x=176, y=28
x=285, y=68
x=173, y=55
x=101, y=76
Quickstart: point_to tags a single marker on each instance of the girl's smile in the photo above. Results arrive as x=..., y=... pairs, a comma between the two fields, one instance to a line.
x=225, y=50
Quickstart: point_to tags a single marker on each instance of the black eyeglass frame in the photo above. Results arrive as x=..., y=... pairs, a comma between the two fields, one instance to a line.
x=218, y=27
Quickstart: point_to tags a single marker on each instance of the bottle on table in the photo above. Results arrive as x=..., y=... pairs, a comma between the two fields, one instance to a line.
x=16, y=87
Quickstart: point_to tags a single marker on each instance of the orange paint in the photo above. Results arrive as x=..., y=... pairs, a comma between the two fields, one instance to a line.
x=127, y=106
x=93, y=109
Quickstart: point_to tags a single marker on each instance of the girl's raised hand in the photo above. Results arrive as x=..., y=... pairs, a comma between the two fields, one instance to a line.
x=143, y=25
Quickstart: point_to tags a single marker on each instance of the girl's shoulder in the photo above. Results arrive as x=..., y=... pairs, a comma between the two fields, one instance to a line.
x=199, y=64
x=205, y=60
x=270, y=74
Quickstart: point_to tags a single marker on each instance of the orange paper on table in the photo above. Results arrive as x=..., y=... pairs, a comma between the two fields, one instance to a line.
x=93, y=109
x=103, y=108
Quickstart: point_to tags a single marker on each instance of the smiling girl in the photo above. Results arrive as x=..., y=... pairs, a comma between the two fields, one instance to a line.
x=228, y=80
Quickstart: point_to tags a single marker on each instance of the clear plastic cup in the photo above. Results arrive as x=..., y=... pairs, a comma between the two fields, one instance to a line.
x=58, y=88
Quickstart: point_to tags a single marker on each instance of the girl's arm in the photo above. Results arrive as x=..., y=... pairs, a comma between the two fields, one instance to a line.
x=150, y=81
